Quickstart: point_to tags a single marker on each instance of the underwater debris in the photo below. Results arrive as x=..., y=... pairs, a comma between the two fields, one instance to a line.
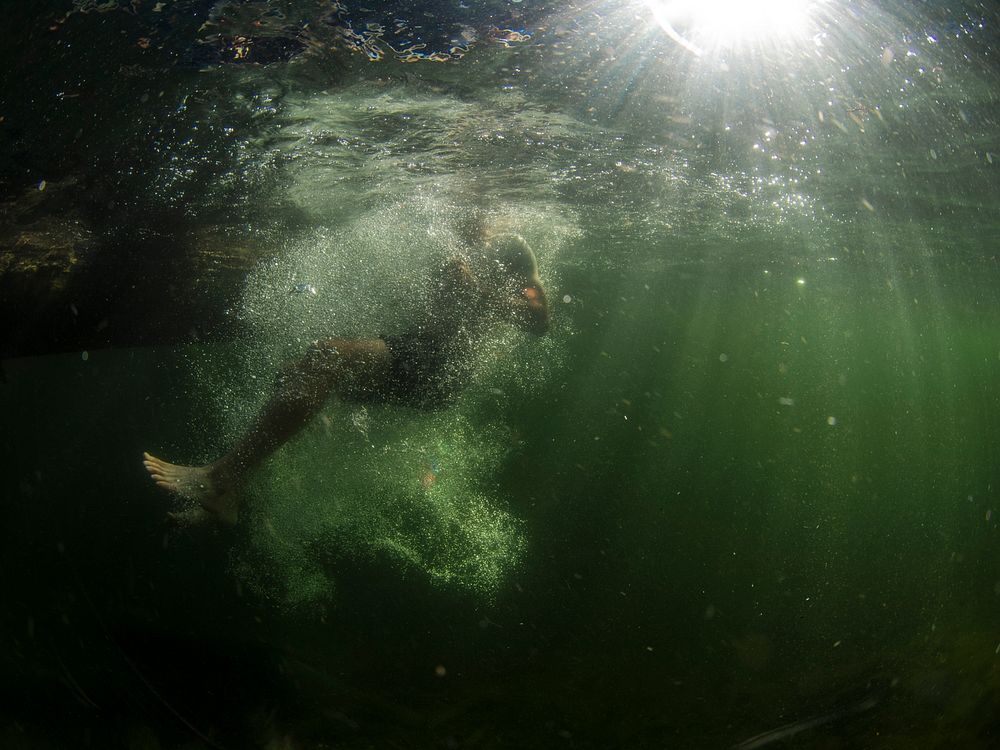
x=509, y=37
x=793, y=728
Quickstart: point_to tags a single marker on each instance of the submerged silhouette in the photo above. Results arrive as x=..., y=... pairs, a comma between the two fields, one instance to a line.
x=425, y=367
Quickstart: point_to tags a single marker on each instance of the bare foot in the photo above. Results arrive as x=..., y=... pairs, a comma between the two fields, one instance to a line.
x=202, y=484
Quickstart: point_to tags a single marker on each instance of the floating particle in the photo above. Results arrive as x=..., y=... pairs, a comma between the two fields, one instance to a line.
x=800, y=281
x=933, y=154
x=723, y=357
x=85, y=356
x=567, y=299
x=786, y=401
x=832, y=421
x=360, y=422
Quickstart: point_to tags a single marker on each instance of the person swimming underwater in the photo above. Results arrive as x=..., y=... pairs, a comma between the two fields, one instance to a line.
x=425, y=367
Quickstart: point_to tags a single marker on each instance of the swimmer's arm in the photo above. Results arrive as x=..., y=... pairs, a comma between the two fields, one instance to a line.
x=527, y=309
x=456, y=279
x=456, y=270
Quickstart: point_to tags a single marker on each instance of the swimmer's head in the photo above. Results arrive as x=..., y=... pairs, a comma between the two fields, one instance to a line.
x=481, y=225
x=507, y=264
x=508, y=259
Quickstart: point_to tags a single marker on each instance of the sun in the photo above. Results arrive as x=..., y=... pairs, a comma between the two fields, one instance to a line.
x=712, y=25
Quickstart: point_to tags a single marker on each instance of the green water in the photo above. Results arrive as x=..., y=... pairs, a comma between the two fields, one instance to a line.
x=747, y=480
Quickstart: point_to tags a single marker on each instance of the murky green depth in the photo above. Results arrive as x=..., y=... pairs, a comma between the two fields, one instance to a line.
x=748, y=482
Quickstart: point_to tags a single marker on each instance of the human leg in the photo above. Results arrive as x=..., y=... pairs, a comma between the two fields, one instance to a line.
x=341, y=366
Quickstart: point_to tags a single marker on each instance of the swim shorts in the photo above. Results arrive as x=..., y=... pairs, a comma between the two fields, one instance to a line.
x=425, y=372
